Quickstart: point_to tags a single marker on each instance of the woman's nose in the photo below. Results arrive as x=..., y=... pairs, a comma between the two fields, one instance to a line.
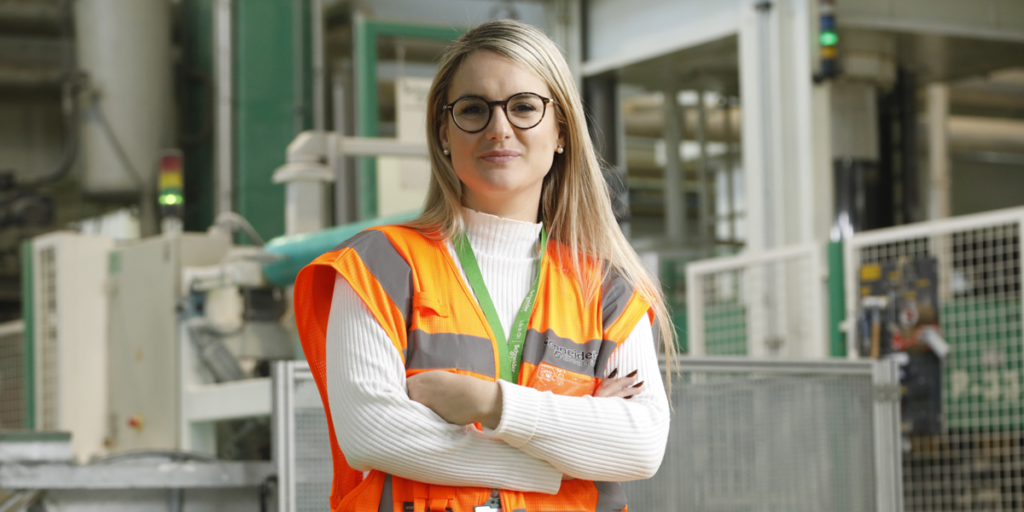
x=499, y=128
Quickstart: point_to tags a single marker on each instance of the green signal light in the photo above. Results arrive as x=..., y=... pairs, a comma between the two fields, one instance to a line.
x=171, y=199
x=829, y=38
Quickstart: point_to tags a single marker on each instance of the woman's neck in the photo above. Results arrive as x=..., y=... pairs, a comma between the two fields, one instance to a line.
x=522, y=208
x=501, y=236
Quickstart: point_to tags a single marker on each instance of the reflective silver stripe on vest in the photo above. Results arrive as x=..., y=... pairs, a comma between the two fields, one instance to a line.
x=548, y=347
x=607, y=348
x=430, y=351
x=387, y=501
x=615, y=294
x=388, y=266
x=610, y=497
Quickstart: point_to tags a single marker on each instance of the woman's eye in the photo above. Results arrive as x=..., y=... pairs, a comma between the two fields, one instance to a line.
x=471, y=110
x=523, y=108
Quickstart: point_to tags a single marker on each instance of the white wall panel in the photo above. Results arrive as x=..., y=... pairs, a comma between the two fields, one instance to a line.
x=623, y=32
x=997, y=19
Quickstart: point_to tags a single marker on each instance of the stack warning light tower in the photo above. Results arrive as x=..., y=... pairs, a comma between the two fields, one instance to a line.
x=828, y=40
x=172, y=199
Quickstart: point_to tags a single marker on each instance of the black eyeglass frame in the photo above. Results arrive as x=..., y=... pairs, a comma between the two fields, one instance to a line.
x=504, y=106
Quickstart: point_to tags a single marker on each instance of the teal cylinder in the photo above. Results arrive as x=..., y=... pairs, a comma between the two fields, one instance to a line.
x=297, y=251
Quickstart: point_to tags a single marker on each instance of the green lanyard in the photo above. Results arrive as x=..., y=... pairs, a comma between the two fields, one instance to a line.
x=510, y=352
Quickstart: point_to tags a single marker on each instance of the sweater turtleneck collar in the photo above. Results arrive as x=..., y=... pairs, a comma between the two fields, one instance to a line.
x=501, y=237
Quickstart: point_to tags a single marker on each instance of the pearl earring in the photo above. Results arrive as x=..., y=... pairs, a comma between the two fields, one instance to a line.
x=560, y=150
x=445, y=151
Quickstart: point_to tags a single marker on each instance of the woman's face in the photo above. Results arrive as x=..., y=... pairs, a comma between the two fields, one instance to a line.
x=501, y=163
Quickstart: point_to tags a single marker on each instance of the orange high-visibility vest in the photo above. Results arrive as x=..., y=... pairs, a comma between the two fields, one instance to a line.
x=414, y=290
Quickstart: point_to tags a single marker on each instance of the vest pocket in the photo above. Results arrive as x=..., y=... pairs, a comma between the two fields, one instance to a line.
x=427, y=303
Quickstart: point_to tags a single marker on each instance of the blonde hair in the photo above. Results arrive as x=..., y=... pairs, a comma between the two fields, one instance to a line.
x=575, y=203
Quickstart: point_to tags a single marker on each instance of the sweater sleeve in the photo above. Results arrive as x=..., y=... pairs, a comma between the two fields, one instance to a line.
x=379, y=427
x=602, y=439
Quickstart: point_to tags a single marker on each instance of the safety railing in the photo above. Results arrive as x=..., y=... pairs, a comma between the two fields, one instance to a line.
x=746, y=434
x=765, y=304
x=975, y=462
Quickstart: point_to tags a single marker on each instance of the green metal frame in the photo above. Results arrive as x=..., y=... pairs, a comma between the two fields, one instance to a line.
x=272, y=82
x=197, y=108
x=367, y=102
x=836, y=298
x=28, y=316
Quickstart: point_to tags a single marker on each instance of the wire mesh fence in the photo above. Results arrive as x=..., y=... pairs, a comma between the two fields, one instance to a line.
x=977, y=461
x=768, y=304
x=746, y=435
x=760, y=435
x=13, y=406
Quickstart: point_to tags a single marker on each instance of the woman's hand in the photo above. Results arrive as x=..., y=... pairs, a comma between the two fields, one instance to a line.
x=621, y=387
x=459, y=399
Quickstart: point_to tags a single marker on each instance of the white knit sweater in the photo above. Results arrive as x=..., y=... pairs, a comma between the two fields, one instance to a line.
x=541, y=435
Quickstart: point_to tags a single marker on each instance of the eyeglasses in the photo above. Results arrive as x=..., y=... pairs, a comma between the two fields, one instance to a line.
x=523, y=110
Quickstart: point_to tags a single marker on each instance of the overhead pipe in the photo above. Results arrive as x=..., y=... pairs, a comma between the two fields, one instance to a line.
x=650, y=122
x=991, y=134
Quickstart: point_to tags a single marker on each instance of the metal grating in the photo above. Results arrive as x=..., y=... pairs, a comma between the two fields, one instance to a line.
x=977, y=463
x=12, y=376
x=302, y=446
x=47, y=342
x=746, y=435
x=314, y=468
x=762, y=436
x=768, y=304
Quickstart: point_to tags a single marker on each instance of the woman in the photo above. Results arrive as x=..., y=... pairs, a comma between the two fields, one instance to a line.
x=528, y=413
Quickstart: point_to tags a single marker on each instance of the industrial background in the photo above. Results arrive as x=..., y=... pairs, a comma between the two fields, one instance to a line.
x=831, y=193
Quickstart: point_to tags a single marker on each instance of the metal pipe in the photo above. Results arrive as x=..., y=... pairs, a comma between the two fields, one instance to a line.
x=224, y=137
x=674, y=212
x=766, y=101
x=706, y=214
x=979, y=134
x=299, y=85
x=318, y=65
x=729, y=164
x=647, y=121
x=938, y=150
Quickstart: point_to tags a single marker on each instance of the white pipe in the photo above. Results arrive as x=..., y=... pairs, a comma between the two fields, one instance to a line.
x=938, y=151
x=673, y=168
x=224, y=136
x=985, y=134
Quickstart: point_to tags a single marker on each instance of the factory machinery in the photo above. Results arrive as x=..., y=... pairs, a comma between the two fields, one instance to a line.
x=156, y=363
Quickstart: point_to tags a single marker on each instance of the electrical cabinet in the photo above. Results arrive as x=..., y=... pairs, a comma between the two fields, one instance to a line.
x=69, y=350
x=144, y=350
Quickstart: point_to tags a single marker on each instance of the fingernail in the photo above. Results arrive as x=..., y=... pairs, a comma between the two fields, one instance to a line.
x=638, y=384
x=632, y=374
x=630, y=397
x=613, y=373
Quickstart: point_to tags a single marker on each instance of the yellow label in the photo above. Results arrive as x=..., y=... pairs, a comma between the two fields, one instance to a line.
x=871, y=272
x=865, y=291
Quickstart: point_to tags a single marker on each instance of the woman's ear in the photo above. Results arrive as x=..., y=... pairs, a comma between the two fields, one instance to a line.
x=442, y=133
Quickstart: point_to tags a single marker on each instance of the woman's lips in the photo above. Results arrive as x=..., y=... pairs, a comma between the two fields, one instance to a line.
x=500, y=156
